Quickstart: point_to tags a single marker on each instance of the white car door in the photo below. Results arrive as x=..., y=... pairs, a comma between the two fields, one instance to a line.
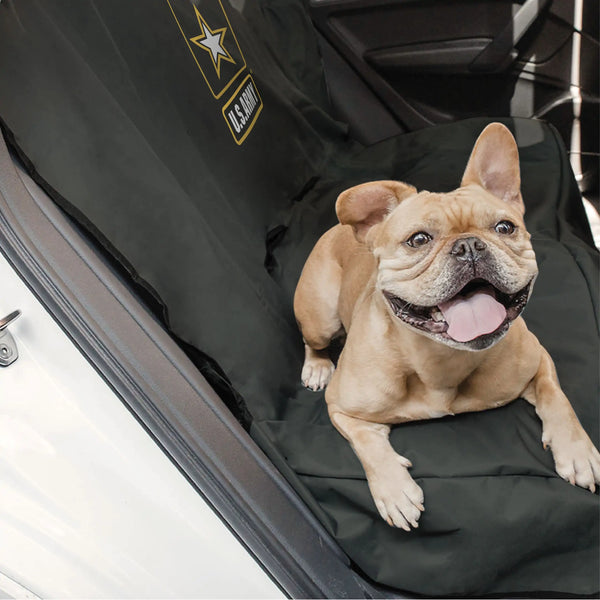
x=90, y=506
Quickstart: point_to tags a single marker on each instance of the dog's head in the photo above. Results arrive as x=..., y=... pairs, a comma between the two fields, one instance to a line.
x=457, y=267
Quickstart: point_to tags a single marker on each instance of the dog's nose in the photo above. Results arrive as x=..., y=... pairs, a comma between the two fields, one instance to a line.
x=468, y=249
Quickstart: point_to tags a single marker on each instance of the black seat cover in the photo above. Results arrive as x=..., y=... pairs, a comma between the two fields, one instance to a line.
x=193, y=141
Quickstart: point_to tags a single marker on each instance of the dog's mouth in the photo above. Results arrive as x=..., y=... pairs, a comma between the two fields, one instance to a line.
x=479, y=313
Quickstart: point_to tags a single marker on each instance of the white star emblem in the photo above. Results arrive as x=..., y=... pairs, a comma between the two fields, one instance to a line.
x=212, y=41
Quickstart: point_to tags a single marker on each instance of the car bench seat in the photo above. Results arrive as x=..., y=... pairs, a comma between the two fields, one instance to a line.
x=208, y=171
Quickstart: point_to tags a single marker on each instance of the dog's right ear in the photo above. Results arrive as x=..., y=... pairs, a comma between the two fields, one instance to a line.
x=367, y=204
x=494, y=165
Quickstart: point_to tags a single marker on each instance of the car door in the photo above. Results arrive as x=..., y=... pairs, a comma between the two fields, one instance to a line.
x=434, y=61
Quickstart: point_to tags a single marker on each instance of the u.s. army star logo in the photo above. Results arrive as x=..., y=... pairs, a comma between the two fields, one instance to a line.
x=215, y=49
x=212, y=42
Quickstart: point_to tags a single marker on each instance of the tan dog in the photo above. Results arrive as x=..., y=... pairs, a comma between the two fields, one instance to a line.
x=429, y=288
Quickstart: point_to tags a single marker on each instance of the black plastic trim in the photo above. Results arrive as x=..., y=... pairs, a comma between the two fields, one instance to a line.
x=448, y=56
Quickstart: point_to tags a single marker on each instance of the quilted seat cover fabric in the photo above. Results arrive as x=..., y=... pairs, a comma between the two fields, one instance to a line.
x=192, y=140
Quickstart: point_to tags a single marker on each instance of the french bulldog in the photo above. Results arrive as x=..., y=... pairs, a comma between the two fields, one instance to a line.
x=429, y=289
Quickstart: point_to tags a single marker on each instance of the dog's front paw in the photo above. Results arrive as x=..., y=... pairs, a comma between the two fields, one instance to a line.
x=575, y=457
x=397, y=497
x=317, y=372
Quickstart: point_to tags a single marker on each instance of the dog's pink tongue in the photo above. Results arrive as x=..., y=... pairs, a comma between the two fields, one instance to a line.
x=472, y=316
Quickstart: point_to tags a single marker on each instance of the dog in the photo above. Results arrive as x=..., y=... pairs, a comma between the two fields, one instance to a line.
x=428, y=289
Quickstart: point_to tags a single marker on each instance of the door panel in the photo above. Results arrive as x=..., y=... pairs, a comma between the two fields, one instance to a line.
x=435, y=61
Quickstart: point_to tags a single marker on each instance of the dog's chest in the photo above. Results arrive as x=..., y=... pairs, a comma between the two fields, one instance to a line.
x=423, y=400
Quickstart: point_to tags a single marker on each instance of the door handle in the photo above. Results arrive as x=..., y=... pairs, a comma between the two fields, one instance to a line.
x=501, y=52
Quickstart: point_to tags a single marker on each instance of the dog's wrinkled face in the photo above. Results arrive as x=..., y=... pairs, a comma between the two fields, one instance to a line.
x=457, y=267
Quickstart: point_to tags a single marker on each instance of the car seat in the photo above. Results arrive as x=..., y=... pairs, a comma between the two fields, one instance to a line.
x=208, y=171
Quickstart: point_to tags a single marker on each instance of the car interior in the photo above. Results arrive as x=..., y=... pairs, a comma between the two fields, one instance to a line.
x=174, y=163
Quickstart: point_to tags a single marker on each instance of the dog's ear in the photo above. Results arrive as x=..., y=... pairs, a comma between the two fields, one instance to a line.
x=494, y=165
x=367, y=204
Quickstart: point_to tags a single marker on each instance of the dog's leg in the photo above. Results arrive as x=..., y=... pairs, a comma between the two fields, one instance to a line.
x=575, y=457
x=316, y=309
x=397, y=497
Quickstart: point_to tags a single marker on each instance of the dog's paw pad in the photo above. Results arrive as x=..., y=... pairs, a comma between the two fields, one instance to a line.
x=316, y=373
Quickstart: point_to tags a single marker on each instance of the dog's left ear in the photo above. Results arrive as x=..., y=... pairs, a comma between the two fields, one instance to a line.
x=367, y=204
x=494, y=165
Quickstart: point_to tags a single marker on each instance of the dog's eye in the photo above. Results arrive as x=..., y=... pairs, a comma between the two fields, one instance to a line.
x=505, y=227
x=419, y=239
